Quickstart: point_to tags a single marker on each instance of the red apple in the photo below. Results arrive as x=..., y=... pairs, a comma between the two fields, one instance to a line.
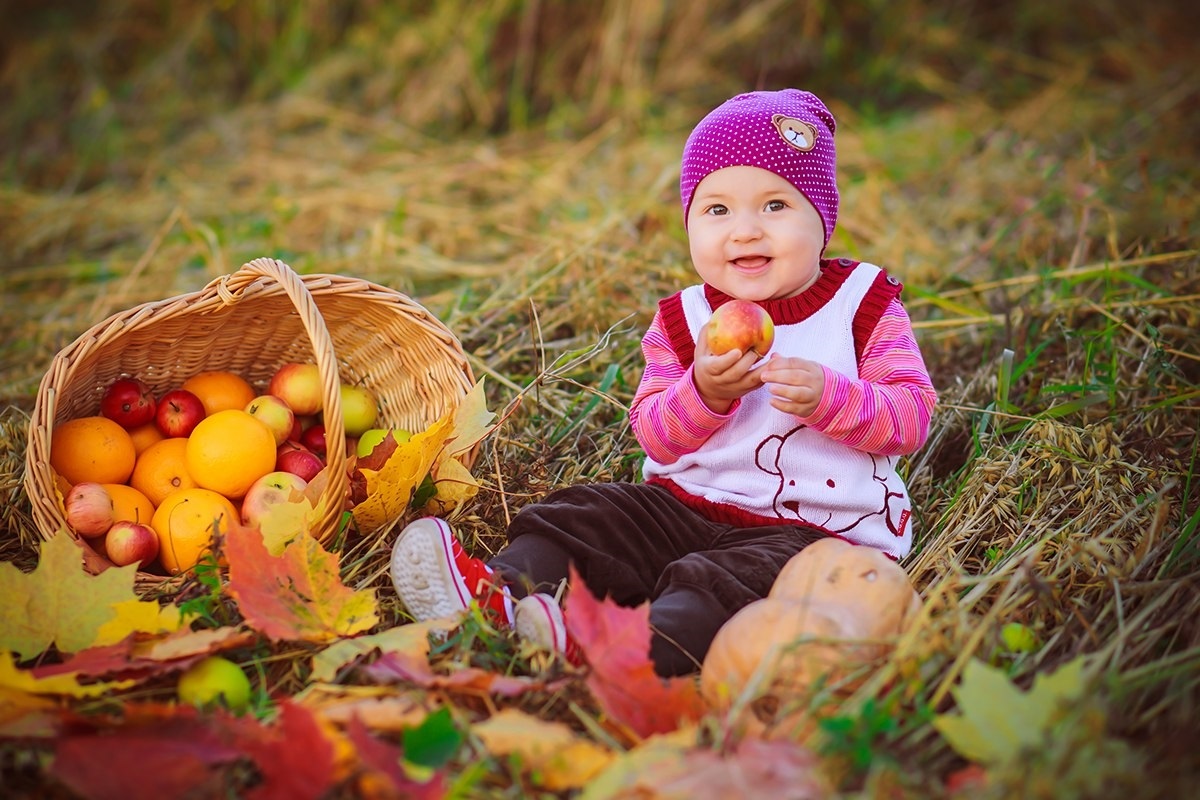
x=297, y=459
x=127, y=542
x=359, y=409
x=297, y=429
x=179, y=412
x=89, y=509
x=268, y=491
x=275, y=414
x=298, y=385
x=314, y=439
x=128, y=402
x=740, y=325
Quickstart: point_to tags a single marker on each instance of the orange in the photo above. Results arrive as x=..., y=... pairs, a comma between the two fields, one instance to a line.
x=187, y=522
x=220, y=390
x=145, y=435
x=129, y=503
x=162, y=469
x=92, y=449
x=230, y=450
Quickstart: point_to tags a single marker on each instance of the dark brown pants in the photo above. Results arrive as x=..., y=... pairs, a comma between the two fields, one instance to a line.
x=635, y=542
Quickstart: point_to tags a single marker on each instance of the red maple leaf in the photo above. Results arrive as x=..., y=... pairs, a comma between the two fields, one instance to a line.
x=381, y=764
x=152, y=751
x=616, y=643
x=295, y=757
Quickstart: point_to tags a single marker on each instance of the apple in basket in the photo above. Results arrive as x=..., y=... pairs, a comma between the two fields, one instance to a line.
x=179, y=412
x=297, y=459
x=298, y=385
x=740, y=325
x=129, y=542
x=374, y=437
x=89, y=509
x=128, y=402
x=273, y=412
x=359, y=409
x=313, y=437
x=268, y=491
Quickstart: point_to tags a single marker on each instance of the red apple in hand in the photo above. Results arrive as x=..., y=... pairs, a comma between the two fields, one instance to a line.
x=268, y=491
x=740, y=325
x=275, y=414
x=297, y=459
x=298, y=385
x=179, y=412
x=128, y=402
x=128, y=541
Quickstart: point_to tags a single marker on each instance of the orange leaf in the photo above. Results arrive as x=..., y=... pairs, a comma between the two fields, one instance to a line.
x=616, y=643
x=297, y=596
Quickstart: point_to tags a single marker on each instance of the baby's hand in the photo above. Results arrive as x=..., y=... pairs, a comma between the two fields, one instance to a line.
x=795, y=384
x=724, y=378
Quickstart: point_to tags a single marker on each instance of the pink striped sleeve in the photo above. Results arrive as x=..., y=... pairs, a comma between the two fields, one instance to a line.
x=887, y=409
x=667, y=415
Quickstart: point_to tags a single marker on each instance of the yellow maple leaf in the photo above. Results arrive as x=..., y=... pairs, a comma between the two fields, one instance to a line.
x=60, y=603
x=455, y=486
x=472, y=422
x=138, y=616
x=390, y=489
x=283, y=522
x=556, y=756
x=13, y=679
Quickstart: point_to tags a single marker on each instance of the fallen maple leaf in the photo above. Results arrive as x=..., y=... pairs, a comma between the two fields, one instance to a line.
x=410, y=668
x=14, y=679
x=412, y=638
x=616, y=643
x=553, y=754
x=150, y=751
x=59, y=603
x=390, y=488
x=383, y=775
x=298, y=595
x=295, y=757
x=134, y=658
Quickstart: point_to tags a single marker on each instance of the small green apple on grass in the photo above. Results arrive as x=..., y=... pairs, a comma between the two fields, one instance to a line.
x=215, y=681
x=373, y=437
x=1018, y=638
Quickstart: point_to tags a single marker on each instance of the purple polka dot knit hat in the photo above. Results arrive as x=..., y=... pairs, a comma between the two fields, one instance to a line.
x=789, y=132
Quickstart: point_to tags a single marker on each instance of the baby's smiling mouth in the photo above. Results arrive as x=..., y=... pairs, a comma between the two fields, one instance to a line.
x=751, y=262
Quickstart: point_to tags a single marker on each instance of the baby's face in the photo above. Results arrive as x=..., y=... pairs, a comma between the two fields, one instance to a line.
x=753, y=235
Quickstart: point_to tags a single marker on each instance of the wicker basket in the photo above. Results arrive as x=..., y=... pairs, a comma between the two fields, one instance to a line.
x=250, y=322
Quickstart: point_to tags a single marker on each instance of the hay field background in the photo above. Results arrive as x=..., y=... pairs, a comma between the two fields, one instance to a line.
x=1028, y=172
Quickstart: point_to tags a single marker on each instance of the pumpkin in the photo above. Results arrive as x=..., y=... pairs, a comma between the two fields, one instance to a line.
x=833, y=610
x=832, y=570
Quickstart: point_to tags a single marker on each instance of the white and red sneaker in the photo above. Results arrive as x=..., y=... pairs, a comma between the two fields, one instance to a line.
x=435, y=577
x=539, y=619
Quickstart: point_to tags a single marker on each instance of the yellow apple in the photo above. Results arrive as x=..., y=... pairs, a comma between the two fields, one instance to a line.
x=215, y=681
x=298, y=385
x=359, y=410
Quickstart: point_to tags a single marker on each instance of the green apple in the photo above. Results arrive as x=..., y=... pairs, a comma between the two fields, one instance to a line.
x=1018, y=638
x=215, y=681
x=359, y=410
x=373, y=437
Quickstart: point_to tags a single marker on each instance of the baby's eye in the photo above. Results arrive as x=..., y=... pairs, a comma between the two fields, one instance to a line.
x=776, y=205
x=718, y=210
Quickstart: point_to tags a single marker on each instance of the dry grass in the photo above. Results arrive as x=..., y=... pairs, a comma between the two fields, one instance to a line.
x=1035, y=194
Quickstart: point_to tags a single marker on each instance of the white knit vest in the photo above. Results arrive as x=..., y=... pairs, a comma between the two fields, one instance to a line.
x=770, y=464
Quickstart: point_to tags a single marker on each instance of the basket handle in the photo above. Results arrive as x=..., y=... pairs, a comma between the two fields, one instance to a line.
x=230, y=288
